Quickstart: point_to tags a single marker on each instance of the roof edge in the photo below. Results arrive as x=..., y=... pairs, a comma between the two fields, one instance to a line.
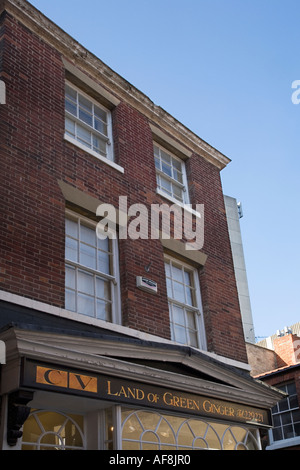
x=38, y=23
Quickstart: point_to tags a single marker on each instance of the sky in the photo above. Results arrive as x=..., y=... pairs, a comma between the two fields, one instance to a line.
x=225, y=69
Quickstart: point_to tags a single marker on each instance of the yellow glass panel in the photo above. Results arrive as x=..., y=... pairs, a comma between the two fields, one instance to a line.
x=150, y=437
x=185, y=436
x=71, y=435
x=54, y=429
x=51, y=421
x=51, y=439
x=31, y=430
x=166, y=433
x=149, y=420
x=132, y=429
x=200, y=444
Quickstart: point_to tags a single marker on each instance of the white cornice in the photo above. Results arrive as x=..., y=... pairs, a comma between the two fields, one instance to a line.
x=79, y=56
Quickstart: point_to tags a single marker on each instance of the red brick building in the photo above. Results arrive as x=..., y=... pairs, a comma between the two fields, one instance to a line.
x=112, y=332
x=276, y=362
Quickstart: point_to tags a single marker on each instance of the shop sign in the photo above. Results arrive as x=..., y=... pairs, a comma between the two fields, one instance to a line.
x=59, y=379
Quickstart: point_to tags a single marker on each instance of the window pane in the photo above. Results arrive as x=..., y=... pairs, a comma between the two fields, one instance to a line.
x=169, y=288
x=283, y=405
x=103, y=310
x=71, y=94
x=296, y=415
x=71, y=101
x=277, y=434
x=72, y=228
x=100, y=126
x=177, y=164
x=177, y=176
x=156, y=151
x=293, y=401
x=178, y=290
x=276, y=420
x=102, y=289
x=180, y=334
x=291, y=389
x=286, y=418
x=165, y=157
x=71, y=249
x=88, y=235
x=85, y=305
x=177, y=274
x=86, y=117
x=191, y=320
x=85, y=104
x=193, y=339
x=166, y=169
x=178, y=315
x=103, y=262
x=99, y=145
x=70, y=300
x=288, y=432
x=86, y=283
x=177, y=192
x=166, y=185
x=70, y=127
x=70, y=277
x=297, y=429
x=87, y=256
x=84, y=136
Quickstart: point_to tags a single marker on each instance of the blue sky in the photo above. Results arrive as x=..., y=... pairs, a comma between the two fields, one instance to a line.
x=224, y=68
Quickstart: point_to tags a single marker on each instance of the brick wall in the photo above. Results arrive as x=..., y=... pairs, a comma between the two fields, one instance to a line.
x=35, y=157
x=287, y=349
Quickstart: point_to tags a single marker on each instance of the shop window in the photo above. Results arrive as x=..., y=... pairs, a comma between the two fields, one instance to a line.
x=87, y=123
x=286, y=415
x=170, y=175
x=147, y=430
x=184, y=304
x=91, y=271
x=48, y=430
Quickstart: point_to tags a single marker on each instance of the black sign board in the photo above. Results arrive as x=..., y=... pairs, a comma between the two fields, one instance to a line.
x=77, y=382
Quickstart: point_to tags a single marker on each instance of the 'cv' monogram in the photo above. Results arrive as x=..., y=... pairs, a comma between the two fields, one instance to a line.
x=66, y=379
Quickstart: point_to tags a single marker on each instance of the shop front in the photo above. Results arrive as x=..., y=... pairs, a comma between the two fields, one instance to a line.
x=64, y=392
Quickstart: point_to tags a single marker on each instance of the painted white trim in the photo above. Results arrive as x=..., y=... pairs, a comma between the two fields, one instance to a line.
x=186, y=207
x=294, y=441
x=198, y=310
x=113, y=277
x=95, y=154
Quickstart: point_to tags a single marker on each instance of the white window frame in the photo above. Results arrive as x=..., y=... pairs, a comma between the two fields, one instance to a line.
x=160, y=173
x=109, y=158
x=279, y=413
x=113, y=277
x=197, y=309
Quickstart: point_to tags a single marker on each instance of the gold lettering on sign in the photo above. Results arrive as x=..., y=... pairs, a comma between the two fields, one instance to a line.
x=61, y=378
x=126, y=392
x=222, y=410
x=83, y=382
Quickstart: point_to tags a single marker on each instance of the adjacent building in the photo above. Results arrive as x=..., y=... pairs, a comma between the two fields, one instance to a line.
x=234, y=213
x=276, y=361
x=119, y=311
